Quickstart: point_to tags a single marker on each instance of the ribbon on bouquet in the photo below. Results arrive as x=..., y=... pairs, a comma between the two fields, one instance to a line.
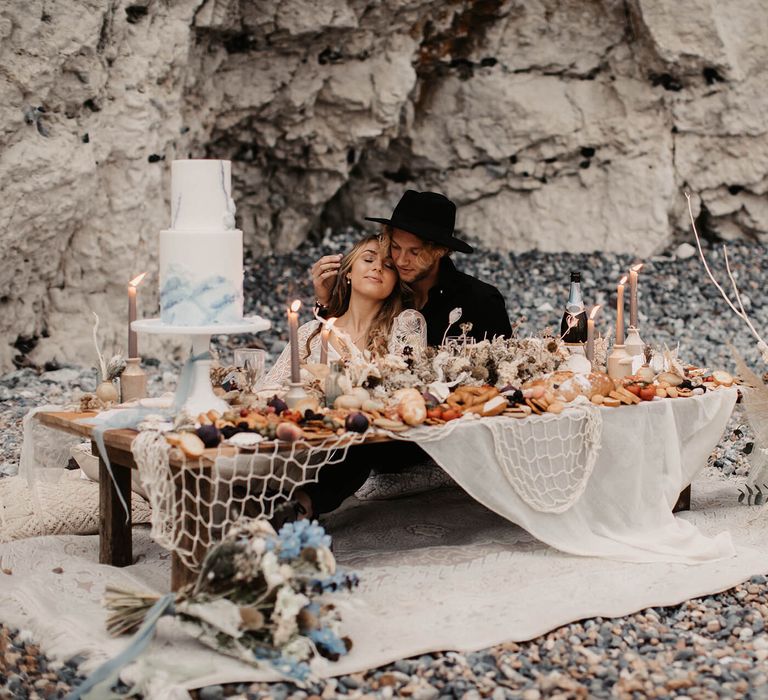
x=109, y=669
x=131, y=417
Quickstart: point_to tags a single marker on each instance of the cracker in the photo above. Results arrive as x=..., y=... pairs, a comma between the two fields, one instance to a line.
x=519, y=411
x=533, y=406
x=722, y=378
x=556, y=407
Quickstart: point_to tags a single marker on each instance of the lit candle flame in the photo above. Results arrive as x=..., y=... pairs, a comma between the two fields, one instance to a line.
x=296, y=306
x=623, y=280
x=136, y=281
x=594, y=311
x=637, y=268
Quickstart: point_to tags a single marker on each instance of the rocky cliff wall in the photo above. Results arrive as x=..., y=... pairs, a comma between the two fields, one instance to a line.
x=555, y=124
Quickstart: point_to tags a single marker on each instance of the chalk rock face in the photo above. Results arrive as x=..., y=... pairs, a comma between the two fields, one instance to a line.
x=553, y=124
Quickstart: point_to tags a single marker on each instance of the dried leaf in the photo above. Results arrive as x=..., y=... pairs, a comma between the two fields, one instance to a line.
x=115, y=367
x=747, y=375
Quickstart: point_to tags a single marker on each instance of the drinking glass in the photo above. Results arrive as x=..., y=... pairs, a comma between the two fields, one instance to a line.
x=251, y=362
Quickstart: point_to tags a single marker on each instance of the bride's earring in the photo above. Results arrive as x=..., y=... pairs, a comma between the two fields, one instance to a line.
x=349, y=280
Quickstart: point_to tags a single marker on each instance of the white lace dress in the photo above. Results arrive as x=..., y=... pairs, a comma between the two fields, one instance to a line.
x=408, y=329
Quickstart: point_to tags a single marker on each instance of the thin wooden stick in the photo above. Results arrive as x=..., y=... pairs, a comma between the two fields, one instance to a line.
x=704, y=260
x=738, y=295
x=741, y=314
x=102, y=366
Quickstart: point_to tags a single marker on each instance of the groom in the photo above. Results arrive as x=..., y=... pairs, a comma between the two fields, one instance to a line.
x=420, y=235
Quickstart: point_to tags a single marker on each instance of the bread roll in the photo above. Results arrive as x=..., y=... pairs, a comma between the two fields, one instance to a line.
x=568, y=385
x=601, y=383
x=412, y=408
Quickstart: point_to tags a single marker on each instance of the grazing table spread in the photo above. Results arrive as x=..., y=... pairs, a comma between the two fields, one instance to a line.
x=623, y=472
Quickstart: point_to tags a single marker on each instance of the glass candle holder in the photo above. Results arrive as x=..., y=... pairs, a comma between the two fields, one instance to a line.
x=250, y=361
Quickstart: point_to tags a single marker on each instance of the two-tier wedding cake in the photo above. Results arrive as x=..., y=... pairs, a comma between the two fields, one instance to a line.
x=201, y=254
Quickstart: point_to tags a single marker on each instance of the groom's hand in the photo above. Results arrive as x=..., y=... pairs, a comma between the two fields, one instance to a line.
x=324, y=273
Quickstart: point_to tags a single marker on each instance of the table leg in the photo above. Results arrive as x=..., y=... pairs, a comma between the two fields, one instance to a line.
x=683, y=500
x=194, y=516
x=115, y=544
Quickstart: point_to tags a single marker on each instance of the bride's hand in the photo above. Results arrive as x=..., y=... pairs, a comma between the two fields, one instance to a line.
x=324, y=273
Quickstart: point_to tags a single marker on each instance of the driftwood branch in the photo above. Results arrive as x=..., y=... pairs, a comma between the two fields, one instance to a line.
x=102, y=365
x=740, y=312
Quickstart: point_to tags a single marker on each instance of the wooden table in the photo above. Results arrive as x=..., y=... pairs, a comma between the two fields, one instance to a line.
x=115, y=539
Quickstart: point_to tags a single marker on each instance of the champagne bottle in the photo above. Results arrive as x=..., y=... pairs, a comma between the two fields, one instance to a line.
x=573, y=327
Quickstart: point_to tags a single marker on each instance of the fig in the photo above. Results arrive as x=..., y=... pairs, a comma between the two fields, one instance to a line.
x=209, y=434
x=277, y=404
x=356, y=422
x=228, y=431
x=289, y=432
x=430, y=399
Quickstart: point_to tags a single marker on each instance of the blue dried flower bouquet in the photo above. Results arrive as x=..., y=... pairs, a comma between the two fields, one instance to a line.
x=260, y=597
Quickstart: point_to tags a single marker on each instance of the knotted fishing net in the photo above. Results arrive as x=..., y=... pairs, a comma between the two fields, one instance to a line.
x=194, y=501
x=546, y=459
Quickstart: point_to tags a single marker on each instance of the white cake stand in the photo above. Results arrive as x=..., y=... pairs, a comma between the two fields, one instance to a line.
x=201, y=397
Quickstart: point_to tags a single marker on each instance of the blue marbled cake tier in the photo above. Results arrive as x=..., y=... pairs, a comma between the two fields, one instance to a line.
x=201, y=277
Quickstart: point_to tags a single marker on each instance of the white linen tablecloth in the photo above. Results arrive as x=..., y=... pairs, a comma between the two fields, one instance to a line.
x=648, y=453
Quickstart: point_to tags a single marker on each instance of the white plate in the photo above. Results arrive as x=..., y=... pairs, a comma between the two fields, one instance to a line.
x=245, y=441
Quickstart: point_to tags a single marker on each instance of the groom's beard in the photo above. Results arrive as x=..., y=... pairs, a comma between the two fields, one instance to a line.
x=416, y=275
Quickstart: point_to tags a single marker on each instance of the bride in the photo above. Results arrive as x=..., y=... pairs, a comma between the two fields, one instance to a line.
x=367, y=300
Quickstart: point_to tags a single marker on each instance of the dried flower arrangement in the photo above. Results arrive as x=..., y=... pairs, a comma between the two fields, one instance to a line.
x=260, y=597
x=498, y=362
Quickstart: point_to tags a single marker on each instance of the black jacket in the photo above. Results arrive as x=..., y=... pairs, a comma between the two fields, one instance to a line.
x=481, y=304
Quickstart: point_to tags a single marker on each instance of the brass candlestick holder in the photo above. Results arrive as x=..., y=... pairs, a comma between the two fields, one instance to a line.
x=133, y=380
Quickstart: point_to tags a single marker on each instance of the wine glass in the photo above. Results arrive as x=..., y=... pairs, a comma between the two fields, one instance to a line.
x=250, y=361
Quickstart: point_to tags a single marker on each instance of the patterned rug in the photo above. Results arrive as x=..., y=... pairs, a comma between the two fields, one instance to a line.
x=67, y=506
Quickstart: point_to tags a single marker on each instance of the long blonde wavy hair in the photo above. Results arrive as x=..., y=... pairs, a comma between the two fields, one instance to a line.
x=381, y=325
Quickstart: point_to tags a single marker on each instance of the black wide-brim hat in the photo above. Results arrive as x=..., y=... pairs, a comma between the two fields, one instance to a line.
x=428, y=215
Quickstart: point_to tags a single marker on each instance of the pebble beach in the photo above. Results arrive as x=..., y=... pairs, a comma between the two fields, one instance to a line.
x=709, y=647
